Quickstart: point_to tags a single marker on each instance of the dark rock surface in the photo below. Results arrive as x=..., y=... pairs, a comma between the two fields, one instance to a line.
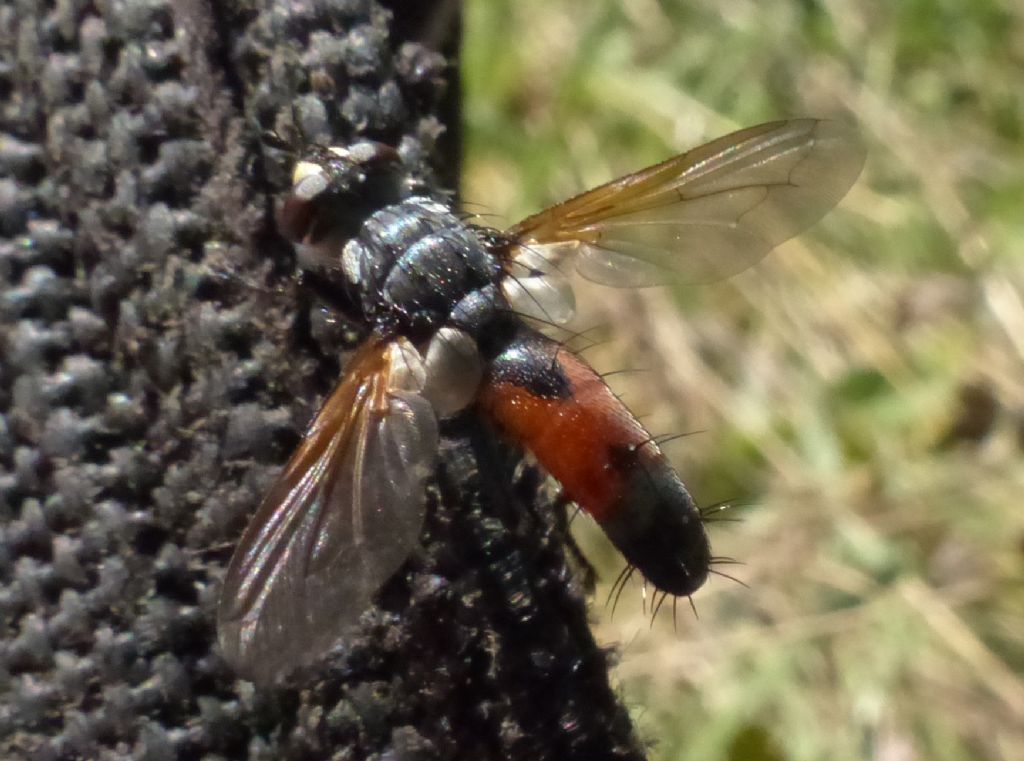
x=159, y=361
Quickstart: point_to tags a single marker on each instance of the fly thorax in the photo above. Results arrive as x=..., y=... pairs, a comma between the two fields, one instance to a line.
x=412, y=263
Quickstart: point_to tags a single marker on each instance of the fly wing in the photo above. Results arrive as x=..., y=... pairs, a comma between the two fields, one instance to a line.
x=341, y=518
x=705, y=214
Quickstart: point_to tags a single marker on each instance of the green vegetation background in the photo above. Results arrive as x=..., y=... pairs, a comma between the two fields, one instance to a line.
x=858, y=396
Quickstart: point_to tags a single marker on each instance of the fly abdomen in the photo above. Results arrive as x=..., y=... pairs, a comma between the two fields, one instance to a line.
x=556, y=406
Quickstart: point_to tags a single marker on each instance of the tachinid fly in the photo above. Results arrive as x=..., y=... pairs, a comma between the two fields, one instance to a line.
x=445, y=303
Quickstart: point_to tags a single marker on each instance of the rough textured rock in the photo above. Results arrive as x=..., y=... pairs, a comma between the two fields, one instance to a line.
x=159, y=360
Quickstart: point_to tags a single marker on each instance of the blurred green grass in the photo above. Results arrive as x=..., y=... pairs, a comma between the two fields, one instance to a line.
x=861, y=391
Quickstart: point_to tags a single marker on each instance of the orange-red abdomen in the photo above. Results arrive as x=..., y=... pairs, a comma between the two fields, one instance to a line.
x=555, y=405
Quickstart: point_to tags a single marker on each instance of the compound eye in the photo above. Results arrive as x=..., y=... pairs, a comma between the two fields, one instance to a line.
x=295, y=217
x=297, y=214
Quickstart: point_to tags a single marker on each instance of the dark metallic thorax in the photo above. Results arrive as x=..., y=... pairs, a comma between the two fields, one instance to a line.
x=414, y=267
x=408, y=267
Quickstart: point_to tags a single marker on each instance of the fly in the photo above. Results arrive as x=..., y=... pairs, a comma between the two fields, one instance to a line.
x=445, y=303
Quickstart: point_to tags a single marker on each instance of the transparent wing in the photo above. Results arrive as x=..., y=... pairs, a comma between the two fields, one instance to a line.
x=341, y=518
x=705, y=214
